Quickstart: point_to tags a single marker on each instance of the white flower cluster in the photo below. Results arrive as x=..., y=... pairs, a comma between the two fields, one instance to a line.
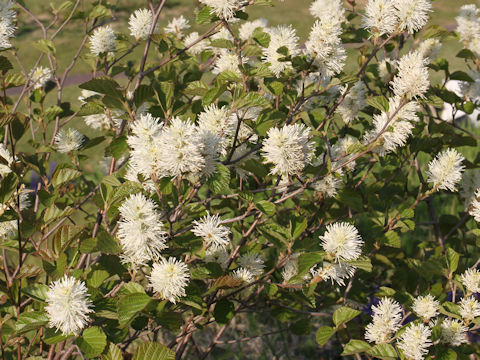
x=445, y=171
x=412, y=79
x=385, y=16
x=415, y=341
x=103, y=41
x=169, y=278
x=140, y=24
x=471, y=280
x=354, y=102
x=110, y=118
x=176, y=26
x=214, y=234
x=288, y=149
x=468, y=26
x=324, y=44
x=140, y=230
x=224, y=9
x=426, y=307
x=8, y=17
x=386, y=320
x=39, y=77
x=247, y=28
x=6, y=157
x=250, y=266
x=68, y=305
x=281, y=37
x=68, y=140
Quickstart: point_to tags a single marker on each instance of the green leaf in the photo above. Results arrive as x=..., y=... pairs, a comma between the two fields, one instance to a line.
x=206, y=15
x=62, y=176
x=324, y=334
x=111, y=180
x=363, y=262
x=5, y=64
x=142, y=94
x=266, y=207
x=90, y=108
x=393, y=239
x=250, y=99
x=261, y=37
x=52, y=336
x=298, y=227
x=354, y=347
x=301, y=327
x=114, y=353
x=379, y=102
x=154, y=351
x=219, y=182
x=36, y=291
x=45, y=45
x=30, y=320
x=99, y=11
x=117, y=147
x=224, y=311
x=383, y=351
x=452, y=259
x=344, y=315
x=462, y=76
x=92, y=342
x=103, y=85
x=8, y=185
x=306, y=261
x=130, y=305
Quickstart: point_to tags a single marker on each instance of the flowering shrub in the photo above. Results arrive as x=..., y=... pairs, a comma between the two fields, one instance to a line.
x=240, y=176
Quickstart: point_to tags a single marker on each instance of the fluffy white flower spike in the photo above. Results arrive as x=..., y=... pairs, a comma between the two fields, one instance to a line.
x=454, y=332
x=471, y=280
x=225, y=9
x=68, y=305
x=196, y=49
x=68, y=140
x=475, y=206
x=280, y=36
x=387, y=319
x=412, y=80
x=412, y=14
x=140, y=231
x=244, y=275
x=247, y=28
x=380, y=17
x=212, y=232
x=415, y=341
x=140, y=24
x=169, y=279
x=342, y=241
x=7, y=23
x=5, y=155
x=288, y=149
x=445, y=171
x=177, y=25
x=322, y=9
x=253, y=262
x=103, y=40
x=469, y=308
x=39, y=77
x=426, y=307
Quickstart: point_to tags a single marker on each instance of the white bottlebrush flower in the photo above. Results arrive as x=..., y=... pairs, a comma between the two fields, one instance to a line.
x=322, y=9
x=247, y=28
x=380, y=17
x=169, y=278
x=8, y=230
x=471, y=280
x=140, y=24
x=325, y=46
x=290, y=269
x=469, y=308
x=219, y=121
x=68, y=140
x=280, y=37
x=177, y=25
x=224, y=9
x=412, y=14
x=474, y=208
x=328, y=186
x=412, y=78
x=103, y=121
x=244, y=275
x=140, y=230
x=288, y=149
x=252, y=262
x=68, y=305
x=214, y=234
x=39, y=77
x=353, y=102
x=227, y=61
x=430, y=48
x=445, y=171
x=415, y=341
x=426, y=307
x=180, y=149
x=8, y=18
x=454, y=332
x=468, y=23
x=387, y=319
x=394, y=126
x=103, y=40
x=211, y=150
x=334, y=272
x=386, y=67
x=7, y=161
x=342, y=241
x=196, y=49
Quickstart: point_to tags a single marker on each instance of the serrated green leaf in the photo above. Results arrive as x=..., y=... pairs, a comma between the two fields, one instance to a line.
x=383, y=351
x=266, y=207
x=151, y=350
x=114, y=353
x=354, y=347
x=92, y=342
x=324, y=334
x=343, y=315
x=130, y=305
x=62, y=176
x=452, y=259
x=30, y=320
